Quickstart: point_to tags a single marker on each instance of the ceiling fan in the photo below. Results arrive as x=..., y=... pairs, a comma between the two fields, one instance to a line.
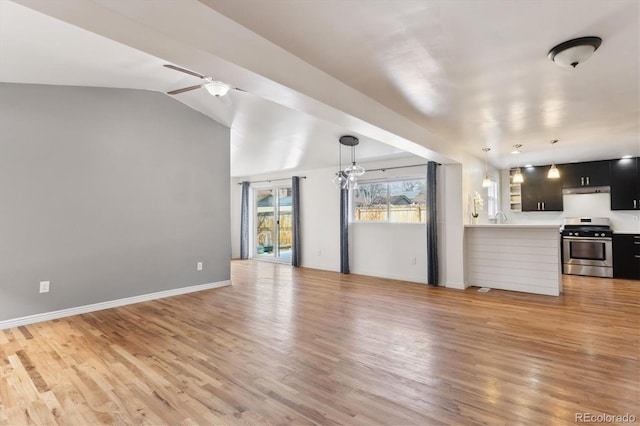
x=215, y=87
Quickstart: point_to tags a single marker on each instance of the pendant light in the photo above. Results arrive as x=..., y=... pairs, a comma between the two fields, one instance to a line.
x=486, y=182
x=354, y=171
x=517, y=176
x=340, y=180
x=553, y=173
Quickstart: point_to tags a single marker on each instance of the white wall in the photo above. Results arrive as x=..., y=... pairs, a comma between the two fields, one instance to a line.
x=387, y=249
x=462, y=180
x=320, y=224
x=575, y=205
x=319, y=209
x=473, y=174
x=380, y=249
x=376, y=249
x=451, y=231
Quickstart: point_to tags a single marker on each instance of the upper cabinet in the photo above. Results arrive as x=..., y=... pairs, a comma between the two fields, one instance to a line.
x=625, y=184
x=540, y=193
x=592, y=173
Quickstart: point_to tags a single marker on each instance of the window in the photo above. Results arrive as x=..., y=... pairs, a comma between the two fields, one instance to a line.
x=273, y=223
x=492, y=198
x=401, y=201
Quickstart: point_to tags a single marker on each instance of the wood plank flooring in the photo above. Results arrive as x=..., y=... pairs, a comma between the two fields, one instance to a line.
x=301, y=346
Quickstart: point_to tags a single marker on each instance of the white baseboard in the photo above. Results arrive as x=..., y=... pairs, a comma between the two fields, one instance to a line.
x=397, y=277
x=47, y=316
x=456, y=286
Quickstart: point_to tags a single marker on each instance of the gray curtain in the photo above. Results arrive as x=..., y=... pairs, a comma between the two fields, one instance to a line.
x=432, y=225
x=344, y=231
x=244, y=222
x=295, y=225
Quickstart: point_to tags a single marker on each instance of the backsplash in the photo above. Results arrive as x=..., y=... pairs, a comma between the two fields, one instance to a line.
x=579, y=205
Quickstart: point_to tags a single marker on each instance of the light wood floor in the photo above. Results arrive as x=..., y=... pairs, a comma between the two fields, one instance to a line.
x=300, y=346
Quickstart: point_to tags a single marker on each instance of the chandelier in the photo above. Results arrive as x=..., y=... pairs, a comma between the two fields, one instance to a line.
x=348, y=178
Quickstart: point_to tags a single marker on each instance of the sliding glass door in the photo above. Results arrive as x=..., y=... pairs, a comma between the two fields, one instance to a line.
x=273, y=223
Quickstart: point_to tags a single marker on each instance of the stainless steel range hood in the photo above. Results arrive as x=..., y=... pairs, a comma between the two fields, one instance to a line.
x=587, y=190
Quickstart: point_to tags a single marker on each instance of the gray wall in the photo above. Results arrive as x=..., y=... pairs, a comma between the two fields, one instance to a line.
x=107, y=193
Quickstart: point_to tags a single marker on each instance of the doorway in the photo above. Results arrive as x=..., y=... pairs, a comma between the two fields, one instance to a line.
x=273, y=224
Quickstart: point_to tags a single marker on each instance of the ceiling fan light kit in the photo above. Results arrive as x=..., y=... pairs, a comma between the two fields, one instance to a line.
x=217, y=88
x=573, y=52
x=516, y=149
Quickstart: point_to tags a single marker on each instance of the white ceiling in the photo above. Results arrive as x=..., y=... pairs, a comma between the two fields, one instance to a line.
x=441, y=79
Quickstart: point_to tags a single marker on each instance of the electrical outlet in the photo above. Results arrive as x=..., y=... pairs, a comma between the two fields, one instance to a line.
x=319, y=252
x=412, y=260
x=199, y=266
x=44, y=286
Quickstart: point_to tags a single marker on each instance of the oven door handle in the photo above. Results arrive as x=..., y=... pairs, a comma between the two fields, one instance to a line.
x=587, y=239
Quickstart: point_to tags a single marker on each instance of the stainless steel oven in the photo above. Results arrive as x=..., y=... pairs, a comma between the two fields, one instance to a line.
x=587, y=247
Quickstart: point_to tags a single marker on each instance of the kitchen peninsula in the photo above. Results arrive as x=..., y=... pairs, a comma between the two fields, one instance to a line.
x=514, y=257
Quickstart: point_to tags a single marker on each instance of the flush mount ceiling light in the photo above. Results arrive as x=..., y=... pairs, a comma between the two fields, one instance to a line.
x=486, y=182
x=573, y=52
x=348, y=178
x=553, y=173
x=516, y=148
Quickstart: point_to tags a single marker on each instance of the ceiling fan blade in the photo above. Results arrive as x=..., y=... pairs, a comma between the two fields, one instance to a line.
x=239, y=89
x=186, y=89
x=193, y=73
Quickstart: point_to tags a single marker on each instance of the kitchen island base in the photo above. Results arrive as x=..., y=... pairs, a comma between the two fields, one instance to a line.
x=522, y=258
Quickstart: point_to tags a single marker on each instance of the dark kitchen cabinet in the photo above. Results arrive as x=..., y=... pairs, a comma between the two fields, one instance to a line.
x=625, y=184
x=592, y=173
x=540, y=193
x=626, y=256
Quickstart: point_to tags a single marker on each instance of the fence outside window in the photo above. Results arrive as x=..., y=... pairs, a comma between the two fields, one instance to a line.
x=398, y=201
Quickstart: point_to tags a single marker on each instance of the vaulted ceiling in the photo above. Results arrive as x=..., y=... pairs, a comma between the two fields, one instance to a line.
x=436, y=78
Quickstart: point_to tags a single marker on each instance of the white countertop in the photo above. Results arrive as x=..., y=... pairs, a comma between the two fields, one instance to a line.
x=515, y=226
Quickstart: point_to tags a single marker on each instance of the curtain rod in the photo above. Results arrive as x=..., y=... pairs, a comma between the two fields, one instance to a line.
x=272, y=180
x=384, y=169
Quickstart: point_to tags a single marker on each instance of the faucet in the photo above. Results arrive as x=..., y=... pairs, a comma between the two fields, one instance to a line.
x=497, y=219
